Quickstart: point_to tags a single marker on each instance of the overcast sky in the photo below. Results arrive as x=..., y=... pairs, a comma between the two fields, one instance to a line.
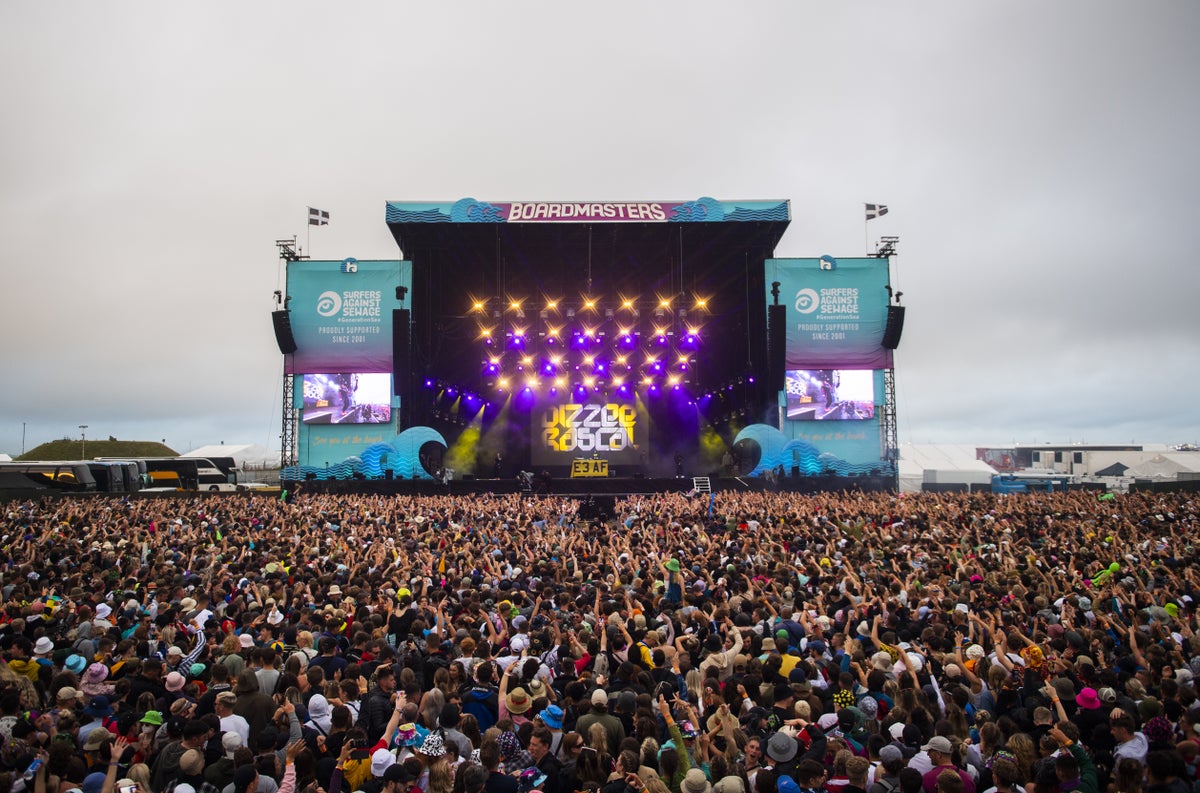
x=1040, y=161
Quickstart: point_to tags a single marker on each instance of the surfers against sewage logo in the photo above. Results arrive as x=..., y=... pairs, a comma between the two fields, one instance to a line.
x=351, y=305
x=839, y=302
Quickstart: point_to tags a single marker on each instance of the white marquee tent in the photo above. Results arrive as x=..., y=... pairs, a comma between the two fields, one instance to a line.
x=941, y=463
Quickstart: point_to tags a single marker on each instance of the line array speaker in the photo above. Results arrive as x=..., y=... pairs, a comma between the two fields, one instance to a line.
x=283, y=332
x=401, y=352
x=894, y=327
x=776, y=344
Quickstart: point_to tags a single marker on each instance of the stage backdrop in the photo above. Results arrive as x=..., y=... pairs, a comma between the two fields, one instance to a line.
x=341, y=314
x=833, y=396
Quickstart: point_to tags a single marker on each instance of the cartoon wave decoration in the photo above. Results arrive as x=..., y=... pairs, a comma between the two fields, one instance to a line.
x=777, y=212
x=402, y=456
x=776, y=449
x=397, y=215
x=468, y=210
x=408, y=446
x=702, y=210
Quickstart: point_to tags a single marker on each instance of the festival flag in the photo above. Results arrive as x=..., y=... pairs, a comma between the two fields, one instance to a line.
x=875, y=210
x=319, y=217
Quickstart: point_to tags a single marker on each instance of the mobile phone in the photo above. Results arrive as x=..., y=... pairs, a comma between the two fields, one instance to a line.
x=360, y=749
x=128, y=789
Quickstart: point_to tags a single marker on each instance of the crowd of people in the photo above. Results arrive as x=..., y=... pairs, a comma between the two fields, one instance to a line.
x=738, y=643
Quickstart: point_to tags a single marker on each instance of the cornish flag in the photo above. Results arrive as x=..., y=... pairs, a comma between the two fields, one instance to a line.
x=319, y=217
x=873, y=211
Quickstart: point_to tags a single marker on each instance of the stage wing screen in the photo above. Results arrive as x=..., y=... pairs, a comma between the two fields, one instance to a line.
x=830, y=394
x=347, y=398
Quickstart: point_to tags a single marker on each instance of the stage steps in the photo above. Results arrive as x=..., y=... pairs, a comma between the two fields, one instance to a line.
x=701, y=484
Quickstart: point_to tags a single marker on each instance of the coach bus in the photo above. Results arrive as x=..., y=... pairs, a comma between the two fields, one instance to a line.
x=67, y=476
x=192, y=473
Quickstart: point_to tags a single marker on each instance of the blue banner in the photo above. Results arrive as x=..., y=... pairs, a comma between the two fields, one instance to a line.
x=836, y=311
x=341, y=314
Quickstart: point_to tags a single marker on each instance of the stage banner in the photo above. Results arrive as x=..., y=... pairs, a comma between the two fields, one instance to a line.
x=836, y=311
x=700, y=210
x=341, y=314
x=607, y=430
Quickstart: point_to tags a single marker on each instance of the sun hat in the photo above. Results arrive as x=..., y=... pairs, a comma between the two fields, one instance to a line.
x=552, y=717
x=43, y=646
x=151, y=717
x=76, y=664
x=175, y=682
x=729, y=784
x=695, y=782
x=98, y=707
x=672, y=565
x=517, y=701
x=96, y=673
x=381, y=761
x=1088, y=699
x=432, y=746
x=781, y=747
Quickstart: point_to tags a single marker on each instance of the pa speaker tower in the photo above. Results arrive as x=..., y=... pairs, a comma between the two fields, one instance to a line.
x=283, y=332
x=401, y=352
x=776, y=344
x=894, y=327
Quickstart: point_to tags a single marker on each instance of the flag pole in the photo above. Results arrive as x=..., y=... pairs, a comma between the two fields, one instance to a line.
x=308, y=234
x=866, y=236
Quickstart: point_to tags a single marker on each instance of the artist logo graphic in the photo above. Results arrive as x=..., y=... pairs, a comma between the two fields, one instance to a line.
x=589, y=428
x=329, y=303
x=807, y=301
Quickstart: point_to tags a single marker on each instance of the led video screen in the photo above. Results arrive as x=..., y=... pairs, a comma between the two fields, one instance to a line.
x=352, y=398
x=830, y=394
x=613, y=431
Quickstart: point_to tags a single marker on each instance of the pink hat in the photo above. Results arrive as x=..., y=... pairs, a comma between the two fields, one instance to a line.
x=1088, y=699
x=96, y=673
x=176, y=681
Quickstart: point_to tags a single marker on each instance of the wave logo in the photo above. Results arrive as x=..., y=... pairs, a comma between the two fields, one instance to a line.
x=807, y=301
x=329, y=303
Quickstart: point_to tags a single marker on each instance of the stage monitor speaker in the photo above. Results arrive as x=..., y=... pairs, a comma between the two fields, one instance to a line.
x=283, y=332
x=776, y=344
x=895, y=326
x=401, y=352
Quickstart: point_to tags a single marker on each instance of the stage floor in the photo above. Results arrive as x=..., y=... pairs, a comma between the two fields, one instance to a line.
x=584, y=487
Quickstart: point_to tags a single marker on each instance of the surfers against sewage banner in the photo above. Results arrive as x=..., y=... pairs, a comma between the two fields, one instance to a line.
x=836, y=311
x=341, y=314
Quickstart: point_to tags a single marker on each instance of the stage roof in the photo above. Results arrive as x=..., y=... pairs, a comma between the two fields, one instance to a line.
x=632, y=246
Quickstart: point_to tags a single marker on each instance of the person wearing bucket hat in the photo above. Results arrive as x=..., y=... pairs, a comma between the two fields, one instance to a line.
x=76, y=664
x=672, y=568
x=552, y=717
x=98, y=709
x=694, y=781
